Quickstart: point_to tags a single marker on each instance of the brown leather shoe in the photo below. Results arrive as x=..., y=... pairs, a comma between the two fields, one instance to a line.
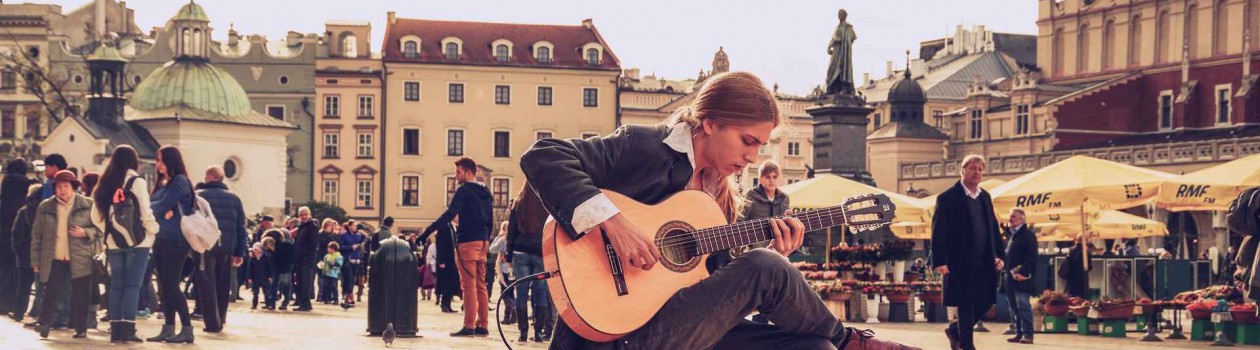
x=953, y=338
x=1013, y=340
x=865, y=340
x=1026, y=341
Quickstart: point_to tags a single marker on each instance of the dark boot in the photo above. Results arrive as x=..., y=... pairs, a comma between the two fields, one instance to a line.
x=128, y=333
x=167, y=332
x=185, y=336
x=114, y=329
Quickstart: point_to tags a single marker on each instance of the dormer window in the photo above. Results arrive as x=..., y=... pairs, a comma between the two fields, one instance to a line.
x=501, y=53
x=592, y=56
x=349, y=46
x=451, y=51
x=542, y=52
x=410, y=50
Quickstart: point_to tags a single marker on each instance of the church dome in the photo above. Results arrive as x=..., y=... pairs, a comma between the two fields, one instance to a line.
x=906, y=90
x=192, y=84
x=191, y=12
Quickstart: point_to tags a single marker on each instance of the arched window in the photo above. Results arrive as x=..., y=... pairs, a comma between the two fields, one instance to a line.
x=1163, y=42
x=196, y=43
x=1082, y=47
x=452, y=51
x=1135, y=40
x=183, y=44
x=1109, y=45
x=409, y=49
x=592, y=56
x=1192, y=31
x=544, y=54
x=349, y=46
x=1220, y=30
x=1057, y=53
x=501, y=53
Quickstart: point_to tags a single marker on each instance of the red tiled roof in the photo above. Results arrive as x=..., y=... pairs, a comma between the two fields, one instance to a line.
x=478, y=36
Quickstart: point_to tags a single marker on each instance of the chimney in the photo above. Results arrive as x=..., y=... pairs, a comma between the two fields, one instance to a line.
x=866, y=78
x=99, y=21
x=588, y=23
x=391, y=17
x=889, y=68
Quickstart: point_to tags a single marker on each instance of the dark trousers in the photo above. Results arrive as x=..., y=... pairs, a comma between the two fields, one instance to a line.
x=214, y=282
x=79, y=290
x=21, y=292
x=305, y=285
x=263, y=288
x=8, y=281
x=972, y=308
x=710, y=314
x=168, y=260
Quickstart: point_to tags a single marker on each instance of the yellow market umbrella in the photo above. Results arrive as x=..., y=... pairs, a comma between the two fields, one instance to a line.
x=1213, y=188
x=912, y=230
x=1066, y=186
x=1106, y=224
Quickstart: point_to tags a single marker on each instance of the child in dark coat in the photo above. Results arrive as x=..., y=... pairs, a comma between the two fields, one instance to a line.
x=262, y=273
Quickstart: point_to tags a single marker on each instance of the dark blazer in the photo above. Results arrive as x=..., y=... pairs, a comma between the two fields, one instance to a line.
x=633, y=161
x=306, y=252
x=1021, y=258
x=953, y=246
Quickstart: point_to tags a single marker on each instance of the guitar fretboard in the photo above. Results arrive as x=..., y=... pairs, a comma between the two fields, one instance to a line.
x=743, y=233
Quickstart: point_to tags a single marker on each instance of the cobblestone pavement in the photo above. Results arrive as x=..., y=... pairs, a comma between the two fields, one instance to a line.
x=329, y=327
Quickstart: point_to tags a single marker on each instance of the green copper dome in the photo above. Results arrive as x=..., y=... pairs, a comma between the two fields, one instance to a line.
x=106, y=52
x=191, y=12
x=191, y=84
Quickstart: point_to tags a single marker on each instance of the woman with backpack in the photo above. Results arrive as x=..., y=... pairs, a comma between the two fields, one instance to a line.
x=121, y=210
x=172, y=197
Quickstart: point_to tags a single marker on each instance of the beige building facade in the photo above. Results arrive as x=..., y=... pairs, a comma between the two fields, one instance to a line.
x=348, y=132
x=486, y=91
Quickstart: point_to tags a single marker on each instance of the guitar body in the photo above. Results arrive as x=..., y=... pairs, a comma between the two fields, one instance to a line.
x=586, y=290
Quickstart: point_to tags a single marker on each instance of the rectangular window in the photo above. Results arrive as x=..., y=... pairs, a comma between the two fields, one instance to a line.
x=878, y=120
x=794, y=148
x=276, y=112
x=32, y=124
x=332, y=147
x=590, y=97
x=363, y=194
x=501, y=189
x=8, y=119
x=938, y=118
x=330, y=192
x=455, y=93
x=8, y=81
x=544, y=95
x=1222, y=105
x=1165, y=109
x=365, y=106
x=542, y=135
x=451, y=185
x=410, y=191
x=365, y=81
x=332, y=106
x=1021, y=119
x=365, y=145
x=502, y=144
x=454, y=143
x=756, y=181
x=977, y=124
x=411, y=142
x=502, y=94
x=411, y=91
x=332, y=81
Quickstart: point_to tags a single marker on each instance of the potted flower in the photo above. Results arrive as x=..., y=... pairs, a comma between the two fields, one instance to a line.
x=897, y=293
x=1202, y=309
x=1079, y=307
x=839, y=292
x=1054, y=303
x=1244, y=313
x=1114, y=309
x=931, y=293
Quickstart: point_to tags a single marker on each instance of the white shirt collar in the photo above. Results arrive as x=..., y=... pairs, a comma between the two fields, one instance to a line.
x=973, y=195
x=1016, y=229
x=679, y=139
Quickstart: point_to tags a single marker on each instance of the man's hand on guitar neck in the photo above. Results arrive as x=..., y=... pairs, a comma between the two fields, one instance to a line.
x=631, y=245
x=789, y=234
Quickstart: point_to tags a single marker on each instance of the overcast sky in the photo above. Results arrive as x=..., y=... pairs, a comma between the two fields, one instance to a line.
x=781, y=41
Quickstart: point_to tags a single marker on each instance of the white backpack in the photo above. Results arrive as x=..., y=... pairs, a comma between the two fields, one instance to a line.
x=200, y=227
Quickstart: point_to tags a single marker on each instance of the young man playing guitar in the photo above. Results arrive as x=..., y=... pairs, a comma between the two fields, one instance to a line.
x=699, y=149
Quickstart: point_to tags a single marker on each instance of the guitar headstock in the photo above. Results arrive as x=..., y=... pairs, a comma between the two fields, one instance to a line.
x=868, y=212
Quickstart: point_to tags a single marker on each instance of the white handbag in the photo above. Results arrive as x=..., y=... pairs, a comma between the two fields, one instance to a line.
x=200, y=227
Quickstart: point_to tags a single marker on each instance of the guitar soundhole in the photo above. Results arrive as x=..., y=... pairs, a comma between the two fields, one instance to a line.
x=677, y=246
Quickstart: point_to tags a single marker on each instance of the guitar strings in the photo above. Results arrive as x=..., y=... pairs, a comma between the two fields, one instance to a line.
x=729, y=231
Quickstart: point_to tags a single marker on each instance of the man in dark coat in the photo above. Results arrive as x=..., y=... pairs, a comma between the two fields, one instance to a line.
x=305, y=257
x=1078, y=266
x=13, y=192
x=228, y=253
x=966, y=251
x=1021, y=264
x=447, y=273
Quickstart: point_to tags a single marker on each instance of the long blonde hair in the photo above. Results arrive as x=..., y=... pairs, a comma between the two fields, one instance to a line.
x=733, y=98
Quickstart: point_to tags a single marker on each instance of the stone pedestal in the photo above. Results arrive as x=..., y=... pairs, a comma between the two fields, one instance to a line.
x=840, y=137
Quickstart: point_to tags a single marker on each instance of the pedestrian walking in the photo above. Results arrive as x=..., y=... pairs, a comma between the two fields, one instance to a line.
x=966, y=250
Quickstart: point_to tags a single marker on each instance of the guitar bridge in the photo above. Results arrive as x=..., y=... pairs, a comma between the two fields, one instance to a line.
x=614, y=262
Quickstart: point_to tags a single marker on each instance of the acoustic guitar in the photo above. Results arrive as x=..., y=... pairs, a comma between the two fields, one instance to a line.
x=602, y=301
